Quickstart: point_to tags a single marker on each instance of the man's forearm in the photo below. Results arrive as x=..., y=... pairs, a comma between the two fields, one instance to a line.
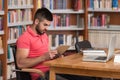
x=30, y=62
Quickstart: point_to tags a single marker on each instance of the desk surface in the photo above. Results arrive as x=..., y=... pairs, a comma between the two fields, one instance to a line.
x=73, y=64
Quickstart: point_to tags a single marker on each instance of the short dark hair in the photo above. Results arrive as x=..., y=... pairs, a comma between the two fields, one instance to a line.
x=43, y=13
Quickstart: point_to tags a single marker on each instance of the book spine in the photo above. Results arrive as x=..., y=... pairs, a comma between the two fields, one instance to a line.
x=76, y=5
x=39, y=3
x=119, y=4
x=91, y=4
x=115, y=4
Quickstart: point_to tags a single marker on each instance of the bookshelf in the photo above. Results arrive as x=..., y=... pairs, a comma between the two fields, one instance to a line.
x=77, y=26
x=3, y=39
x=72, y=22
x=68, y=22
x=103, y=21
x=19, y=16
x=12, y=25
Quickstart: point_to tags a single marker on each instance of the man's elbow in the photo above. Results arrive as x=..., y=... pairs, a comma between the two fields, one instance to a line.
x=20, y=65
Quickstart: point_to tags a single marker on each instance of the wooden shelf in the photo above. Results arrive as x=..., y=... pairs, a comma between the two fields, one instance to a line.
x=20, y=7
x=12, y=41
x=70, y=48
x=67, y=11
x=65, y=28
x=2, y=13
x=1, y=51
x=1, y=32
x=103, y=10
x=10, y=61
x=20, y=23
x=111, y=28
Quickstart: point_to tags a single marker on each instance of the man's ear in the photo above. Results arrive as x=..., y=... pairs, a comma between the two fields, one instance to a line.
x=36, y=21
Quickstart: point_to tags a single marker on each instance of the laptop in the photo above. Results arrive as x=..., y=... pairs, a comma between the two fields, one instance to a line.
x=106, y=58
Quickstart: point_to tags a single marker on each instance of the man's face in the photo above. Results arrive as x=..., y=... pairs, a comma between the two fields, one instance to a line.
x=42, y=26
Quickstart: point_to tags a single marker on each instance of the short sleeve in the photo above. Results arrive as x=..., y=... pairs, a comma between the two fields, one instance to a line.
x=23, y=42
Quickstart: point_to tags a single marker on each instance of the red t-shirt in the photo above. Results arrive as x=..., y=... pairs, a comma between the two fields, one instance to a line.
x=37, y=45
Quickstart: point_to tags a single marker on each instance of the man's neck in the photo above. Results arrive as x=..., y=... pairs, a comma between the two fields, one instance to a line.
x=33, y=28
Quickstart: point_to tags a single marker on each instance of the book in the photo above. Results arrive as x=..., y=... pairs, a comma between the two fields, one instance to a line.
x=91, y=4
x=61, y=40
x=76, y=5
x=115, y=4
x=94, y=53
x=10, y=73
x=10, y=54
x=92, y=50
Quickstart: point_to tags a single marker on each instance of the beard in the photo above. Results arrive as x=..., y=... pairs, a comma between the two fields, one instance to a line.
x=39, y=31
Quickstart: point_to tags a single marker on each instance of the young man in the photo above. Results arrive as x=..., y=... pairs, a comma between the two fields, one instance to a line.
x=32, y=45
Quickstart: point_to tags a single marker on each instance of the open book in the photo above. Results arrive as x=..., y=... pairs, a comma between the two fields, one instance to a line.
x=61, y=50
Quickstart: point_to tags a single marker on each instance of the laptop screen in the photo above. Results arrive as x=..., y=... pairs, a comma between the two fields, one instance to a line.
x=111, y=47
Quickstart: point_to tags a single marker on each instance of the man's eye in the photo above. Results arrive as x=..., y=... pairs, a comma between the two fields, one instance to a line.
x=46, y=25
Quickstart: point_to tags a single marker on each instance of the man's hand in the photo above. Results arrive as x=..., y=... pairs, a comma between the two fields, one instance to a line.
x=50, y=55
x=53, y=53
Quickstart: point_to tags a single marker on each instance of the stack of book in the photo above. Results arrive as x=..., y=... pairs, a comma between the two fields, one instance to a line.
x=94, y=53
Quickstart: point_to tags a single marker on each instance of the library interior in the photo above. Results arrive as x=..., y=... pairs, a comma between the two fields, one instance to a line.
x=76, y=25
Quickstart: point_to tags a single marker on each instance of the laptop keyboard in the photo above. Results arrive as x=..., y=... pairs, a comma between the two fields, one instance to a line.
x=101, y=58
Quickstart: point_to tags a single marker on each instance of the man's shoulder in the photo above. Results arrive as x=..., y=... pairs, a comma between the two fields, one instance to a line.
x=24, y=36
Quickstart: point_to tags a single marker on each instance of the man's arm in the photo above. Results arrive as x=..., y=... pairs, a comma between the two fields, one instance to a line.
x=23, y=61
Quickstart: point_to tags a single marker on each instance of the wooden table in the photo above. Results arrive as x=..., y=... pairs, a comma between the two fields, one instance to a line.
x=73, y=64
